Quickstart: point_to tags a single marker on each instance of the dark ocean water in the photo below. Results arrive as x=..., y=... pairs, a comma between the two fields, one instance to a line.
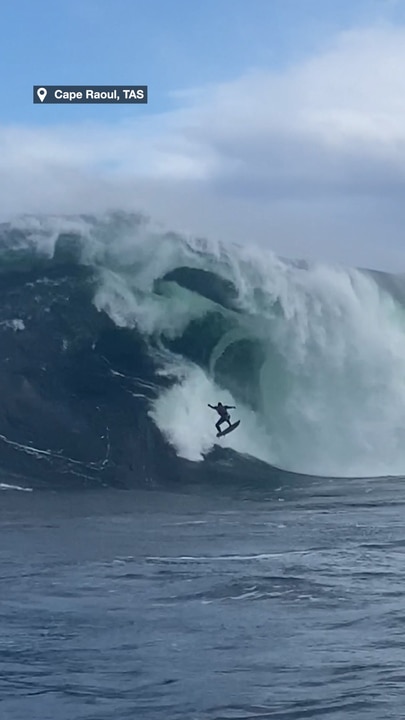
x=149, y=570
x=204, y=604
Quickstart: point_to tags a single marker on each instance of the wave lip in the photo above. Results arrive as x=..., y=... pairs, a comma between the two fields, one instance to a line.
x=115, y=336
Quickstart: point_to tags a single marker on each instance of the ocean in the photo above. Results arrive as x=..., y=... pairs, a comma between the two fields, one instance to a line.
x=149, y=569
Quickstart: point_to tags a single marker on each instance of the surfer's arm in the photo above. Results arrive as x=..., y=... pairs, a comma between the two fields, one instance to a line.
x=212, y=407
x=230, y=407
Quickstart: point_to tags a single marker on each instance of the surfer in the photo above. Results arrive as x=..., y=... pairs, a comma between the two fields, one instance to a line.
x=223, y=413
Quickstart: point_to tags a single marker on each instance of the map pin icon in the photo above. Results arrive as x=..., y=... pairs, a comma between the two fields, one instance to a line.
x=42, y=93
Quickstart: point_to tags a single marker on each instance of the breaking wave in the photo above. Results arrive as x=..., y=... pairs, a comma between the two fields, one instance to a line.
x=115, y=336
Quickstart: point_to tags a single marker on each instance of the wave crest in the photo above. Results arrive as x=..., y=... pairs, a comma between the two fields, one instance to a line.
x=312, y=355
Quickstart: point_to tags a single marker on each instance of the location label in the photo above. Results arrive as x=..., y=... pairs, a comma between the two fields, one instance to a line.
x=91, y=94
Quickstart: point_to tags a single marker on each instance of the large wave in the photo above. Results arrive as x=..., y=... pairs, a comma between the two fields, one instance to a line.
x=116, y=335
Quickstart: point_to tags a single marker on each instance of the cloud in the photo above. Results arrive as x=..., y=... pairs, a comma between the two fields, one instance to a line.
x=309, y=160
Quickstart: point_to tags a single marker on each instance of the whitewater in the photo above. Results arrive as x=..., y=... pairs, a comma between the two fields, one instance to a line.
x=312, y=355
x=152, y=570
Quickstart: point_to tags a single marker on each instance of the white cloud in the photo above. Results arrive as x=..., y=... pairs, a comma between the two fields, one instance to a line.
x=310, y=160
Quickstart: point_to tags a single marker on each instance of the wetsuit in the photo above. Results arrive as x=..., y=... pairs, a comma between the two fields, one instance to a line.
x=222, y=411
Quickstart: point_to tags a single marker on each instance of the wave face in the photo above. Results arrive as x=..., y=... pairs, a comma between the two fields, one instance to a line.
x=115, y=336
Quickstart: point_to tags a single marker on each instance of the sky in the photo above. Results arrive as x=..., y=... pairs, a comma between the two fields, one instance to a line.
x=274, y=122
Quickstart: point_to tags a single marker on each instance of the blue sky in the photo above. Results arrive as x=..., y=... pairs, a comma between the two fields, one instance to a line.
x=167, y=44
x=275, y=122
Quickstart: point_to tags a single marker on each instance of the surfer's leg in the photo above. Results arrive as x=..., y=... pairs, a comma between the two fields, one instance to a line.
x=220, y=422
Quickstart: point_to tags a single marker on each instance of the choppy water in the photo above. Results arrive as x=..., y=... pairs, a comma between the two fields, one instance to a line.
x=204, y=605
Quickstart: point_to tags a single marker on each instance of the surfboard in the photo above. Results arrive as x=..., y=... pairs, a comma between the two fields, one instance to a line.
x=228, y=429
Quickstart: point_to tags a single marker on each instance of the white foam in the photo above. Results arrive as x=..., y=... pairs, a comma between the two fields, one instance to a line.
x=16, y=324
x=332, y=388
x=182, y=414
x=5, y=486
